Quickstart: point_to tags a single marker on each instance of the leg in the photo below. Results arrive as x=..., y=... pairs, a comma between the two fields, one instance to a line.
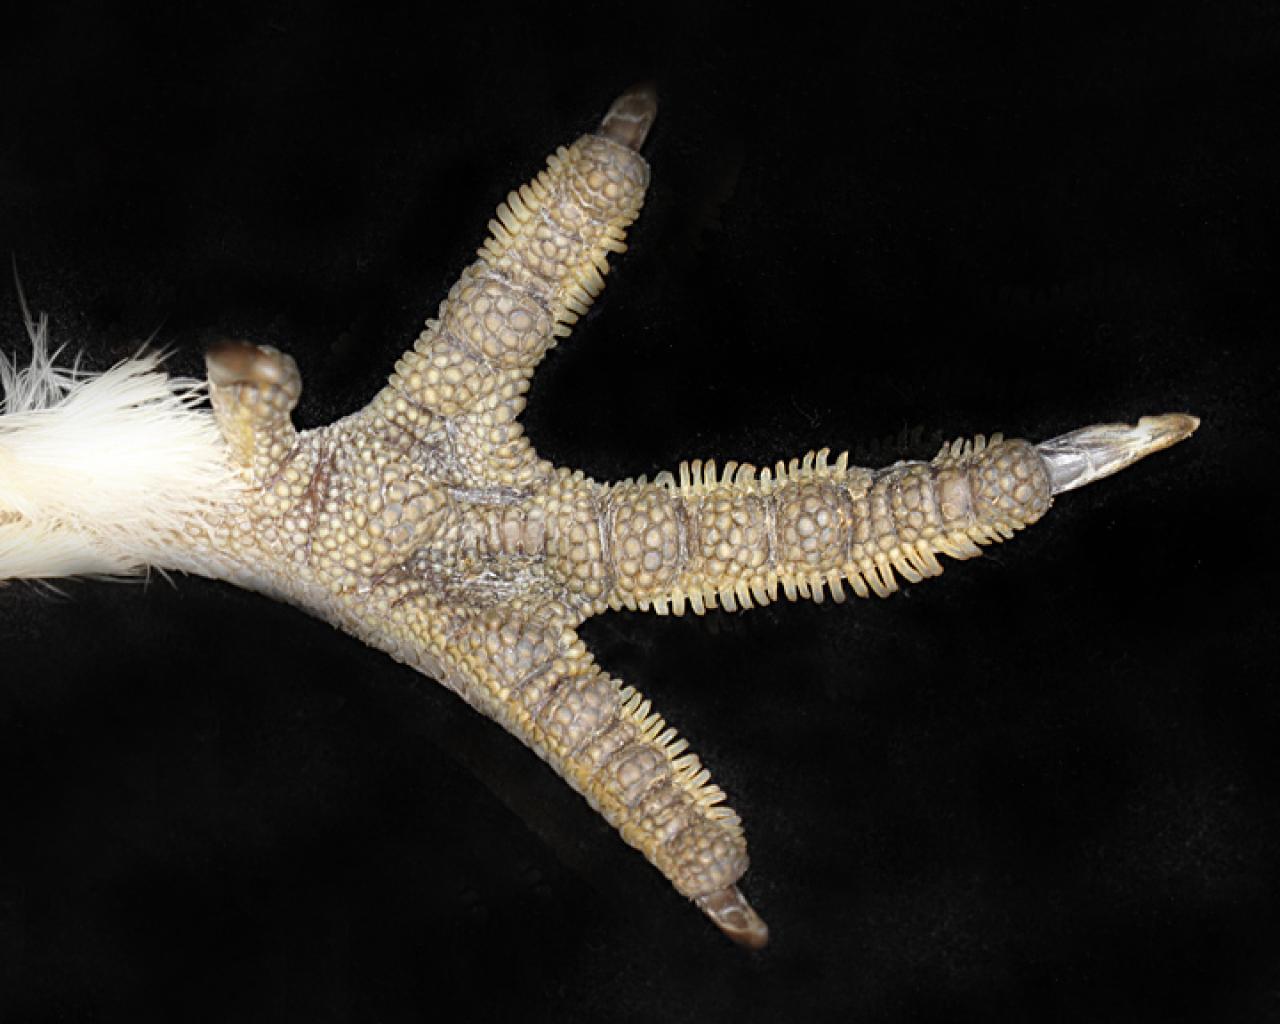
x=736, y=537
x=535, y=677
x=542, y=266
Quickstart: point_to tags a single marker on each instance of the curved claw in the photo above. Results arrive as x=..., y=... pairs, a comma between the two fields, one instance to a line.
x=734, y=916
x=230, y=362
x=631, y=116
x=1091, y=453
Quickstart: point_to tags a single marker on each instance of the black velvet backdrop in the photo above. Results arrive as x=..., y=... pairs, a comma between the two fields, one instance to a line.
x=1043, y=787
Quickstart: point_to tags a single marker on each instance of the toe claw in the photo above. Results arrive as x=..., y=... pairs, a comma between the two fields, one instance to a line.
x=734, y=916
x=631, y=116
x=1091, y=453
x=241, y=362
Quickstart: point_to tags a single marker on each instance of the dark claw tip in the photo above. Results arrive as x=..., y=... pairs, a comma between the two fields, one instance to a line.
x=729, y=909
x=240, y=362
x=631, y=116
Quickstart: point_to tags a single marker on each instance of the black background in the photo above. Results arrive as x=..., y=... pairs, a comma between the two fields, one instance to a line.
x=1043, y=787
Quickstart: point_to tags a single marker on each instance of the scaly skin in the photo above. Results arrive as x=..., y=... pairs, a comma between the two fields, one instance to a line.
x=426, y=525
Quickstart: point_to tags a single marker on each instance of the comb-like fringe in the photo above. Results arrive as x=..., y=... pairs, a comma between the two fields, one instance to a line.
x=518, y=218
x=688, y=774
x=873, y=574
x=100, y=473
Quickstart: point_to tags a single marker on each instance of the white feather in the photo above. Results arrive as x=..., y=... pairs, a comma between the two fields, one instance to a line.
x=101, y=473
